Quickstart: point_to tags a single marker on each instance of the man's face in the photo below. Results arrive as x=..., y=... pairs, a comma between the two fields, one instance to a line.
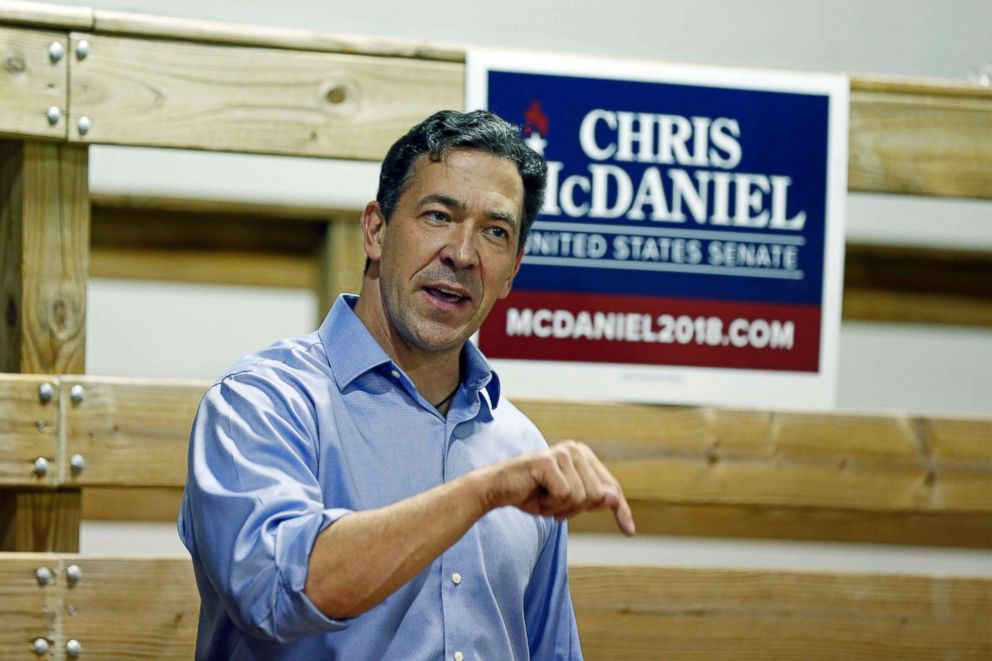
x=450, y=249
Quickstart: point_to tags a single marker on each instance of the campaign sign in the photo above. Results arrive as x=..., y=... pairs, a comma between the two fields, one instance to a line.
x=690, y=245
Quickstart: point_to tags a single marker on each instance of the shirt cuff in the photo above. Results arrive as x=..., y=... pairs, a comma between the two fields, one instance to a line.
x=295, y=615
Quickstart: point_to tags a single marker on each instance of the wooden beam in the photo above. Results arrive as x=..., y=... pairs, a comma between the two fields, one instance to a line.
x=44, y=240
x=134, y=608
x=881, y=478
x=253, y=99
x=920, y=138
x=29, y=609
x=918, y=285
x=215, y=32
x=130, y=432
x=341, y=262
x=40, y=519
x=706, y=614
x=44, y=14
x=31, y=83
x=656, y=517
x=622, y=612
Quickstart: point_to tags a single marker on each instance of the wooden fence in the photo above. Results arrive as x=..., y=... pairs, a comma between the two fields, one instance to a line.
x=74, y=446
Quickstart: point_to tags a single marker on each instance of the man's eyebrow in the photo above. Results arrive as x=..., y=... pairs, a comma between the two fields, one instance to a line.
x=453, y=203
x=438, y=198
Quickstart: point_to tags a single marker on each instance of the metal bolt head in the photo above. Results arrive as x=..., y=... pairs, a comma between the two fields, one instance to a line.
x=84, y=125
x=40, y=646
x=40, y=466
x=77, y=393
x=54, y=114
x=82, y=49
x=46, y=392
x=73, y=573
x=77, y=463
x=73, y=648
x=55, y=51
x=44, y=575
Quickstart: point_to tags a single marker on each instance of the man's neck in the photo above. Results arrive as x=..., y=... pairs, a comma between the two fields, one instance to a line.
x=435, y=373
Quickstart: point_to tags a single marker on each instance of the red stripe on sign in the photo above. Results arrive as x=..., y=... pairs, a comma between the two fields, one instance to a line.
x=533, y=325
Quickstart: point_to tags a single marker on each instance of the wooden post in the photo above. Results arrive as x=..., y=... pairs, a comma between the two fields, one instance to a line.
x=44, y=245
x=341, y=263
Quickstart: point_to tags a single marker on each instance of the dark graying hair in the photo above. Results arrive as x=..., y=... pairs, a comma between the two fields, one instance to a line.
x=447, y=130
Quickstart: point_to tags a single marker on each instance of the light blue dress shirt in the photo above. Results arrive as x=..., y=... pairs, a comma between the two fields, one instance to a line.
x=312, y=428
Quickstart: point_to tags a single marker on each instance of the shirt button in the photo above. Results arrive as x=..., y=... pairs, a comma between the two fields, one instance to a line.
x=396, y=374
x=456, y=578
x=459, y=656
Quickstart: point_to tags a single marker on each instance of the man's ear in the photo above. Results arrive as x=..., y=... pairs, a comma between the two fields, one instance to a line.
x=509, y=281
x=373, y=224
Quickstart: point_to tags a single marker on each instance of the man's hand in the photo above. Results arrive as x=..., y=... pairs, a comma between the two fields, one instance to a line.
x=562, y=481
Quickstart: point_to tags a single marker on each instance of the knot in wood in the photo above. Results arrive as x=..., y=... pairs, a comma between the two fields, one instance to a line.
x=337, y=94
x=60, y=316
x=14, y=64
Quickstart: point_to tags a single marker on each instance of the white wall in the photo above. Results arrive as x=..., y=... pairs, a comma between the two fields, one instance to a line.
x=150, y=329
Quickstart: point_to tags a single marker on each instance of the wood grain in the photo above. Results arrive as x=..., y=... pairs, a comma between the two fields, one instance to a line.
x=29, y=610
x=30, y=83
x=40, y=519
x=130, y=432
x=237, y=98
x=919, y=139
x=341, y=262
x=705, y=614
x=656, y=517
x=28, y=430
x=44, y=14
x=133, y=608
x=44, y=238
x=202, y=266
x=622, y=612
x=683, y=455
x=128, y=23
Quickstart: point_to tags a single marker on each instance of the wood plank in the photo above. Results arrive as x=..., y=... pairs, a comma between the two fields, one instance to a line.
x=133, y=608
x=341, y=263
x=131, y=432
x=698, y=455
x=40, y=519
x=44, y=238
x=909, y=137
x=30, y=83
x=129, y=23
x=202, y=266
x=144, y=92
x=706, y=614
x=917, y=285
x=132, y=503
x=28, y=431
x=43, y=14
x=29, y=610
x=947, y=529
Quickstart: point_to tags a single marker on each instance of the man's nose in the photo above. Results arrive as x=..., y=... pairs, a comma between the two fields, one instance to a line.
x=460, y=250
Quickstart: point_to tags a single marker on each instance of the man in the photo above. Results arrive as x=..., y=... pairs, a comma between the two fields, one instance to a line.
x=364, y=492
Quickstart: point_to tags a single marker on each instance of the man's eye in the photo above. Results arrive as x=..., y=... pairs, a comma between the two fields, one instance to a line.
x=498, y=232
x=437, y=215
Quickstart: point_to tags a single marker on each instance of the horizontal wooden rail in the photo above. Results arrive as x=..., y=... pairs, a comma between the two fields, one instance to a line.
x=275, y=91
x=146, y=608
x=700, y=470
x=222, y=242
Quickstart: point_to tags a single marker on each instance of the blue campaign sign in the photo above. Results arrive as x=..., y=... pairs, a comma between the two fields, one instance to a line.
x=690, y=244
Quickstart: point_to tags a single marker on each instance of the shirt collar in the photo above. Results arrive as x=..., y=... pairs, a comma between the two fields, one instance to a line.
x=351, y=351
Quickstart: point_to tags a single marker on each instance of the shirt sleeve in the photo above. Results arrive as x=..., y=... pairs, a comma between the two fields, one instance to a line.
x=253, y=506
x=550, y=618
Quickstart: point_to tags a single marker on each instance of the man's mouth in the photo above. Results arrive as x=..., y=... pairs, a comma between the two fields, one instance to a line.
x=449, y=297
